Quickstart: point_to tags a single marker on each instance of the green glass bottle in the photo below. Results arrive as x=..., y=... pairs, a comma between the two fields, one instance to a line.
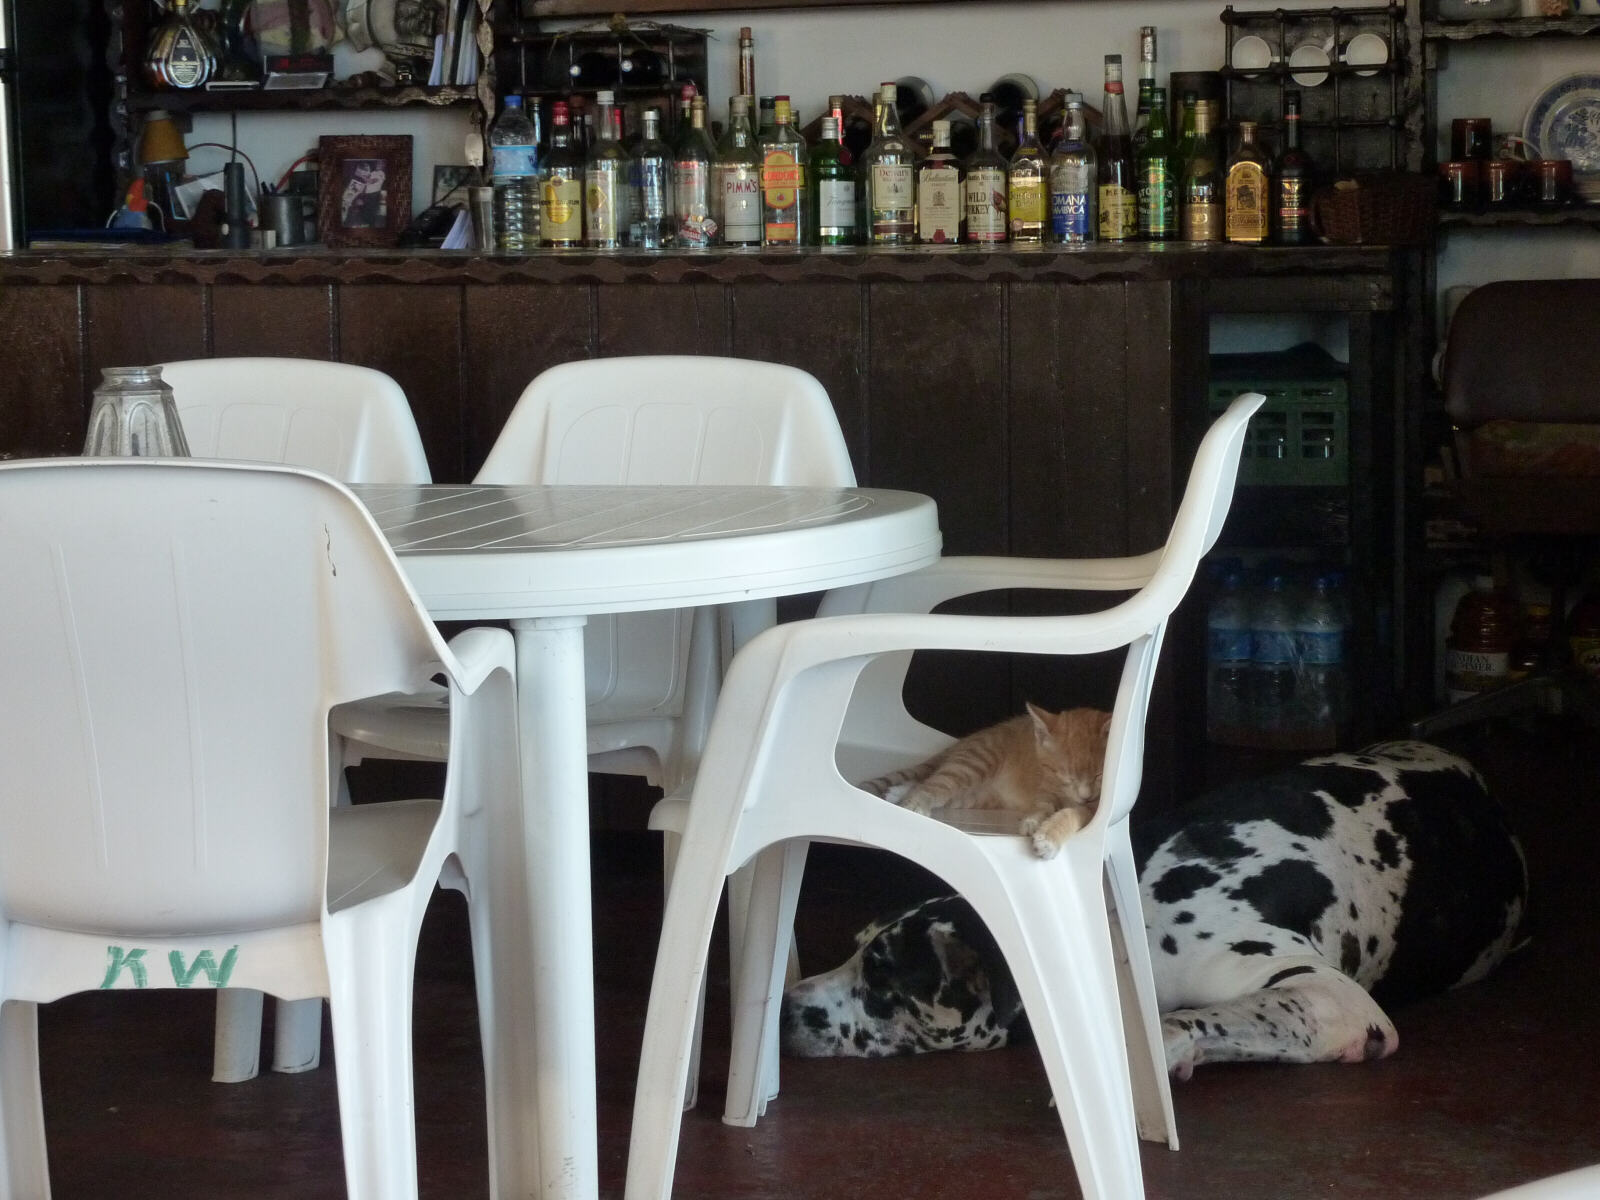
x=834, y=169
x=1186, y=137
x=1202, y=183
x=1158, y=190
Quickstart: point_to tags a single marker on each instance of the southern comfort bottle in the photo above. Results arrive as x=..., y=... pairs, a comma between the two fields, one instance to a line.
x=1025, y=181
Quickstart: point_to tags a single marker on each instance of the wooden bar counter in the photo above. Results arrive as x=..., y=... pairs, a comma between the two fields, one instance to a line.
x=1049, y=399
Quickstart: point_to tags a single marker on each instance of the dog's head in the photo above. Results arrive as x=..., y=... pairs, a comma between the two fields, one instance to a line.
x=930, y=979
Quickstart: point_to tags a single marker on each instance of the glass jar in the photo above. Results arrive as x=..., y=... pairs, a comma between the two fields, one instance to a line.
x=134, y=413
x=1478, y=652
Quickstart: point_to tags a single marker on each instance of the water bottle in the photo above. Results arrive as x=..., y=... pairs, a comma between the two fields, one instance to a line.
x=1227, y=657
x=1319, y=641
x=1272, y=658
x=514, y=167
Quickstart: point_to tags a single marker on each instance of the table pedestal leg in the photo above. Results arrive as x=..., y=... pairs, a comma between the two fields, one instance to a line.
x=555, y=783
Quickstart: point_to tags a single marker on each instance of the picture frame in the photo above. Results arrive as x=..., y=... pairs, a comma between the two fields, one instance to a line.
x=364, y=189
x=451, y=181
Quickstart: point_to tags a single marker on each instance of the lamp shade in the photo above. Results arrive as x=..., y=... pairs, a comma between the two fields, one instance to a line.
x=161, y=141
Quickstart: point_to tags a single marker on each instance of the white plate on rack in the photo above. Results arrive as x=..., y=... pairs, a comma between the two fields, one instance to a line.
x=1252, y=53
x=1564, y=122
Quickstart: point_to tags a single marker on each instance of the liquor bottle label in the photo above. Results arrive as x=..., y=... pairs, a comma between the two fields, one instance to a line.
x=836, y=207
x=605, y=205
x=653, y=187
x=1157, y=210
x=892, y=200
x=1119, y=213
x=514, y=162
x=741, y=205
x=782, y=179
x=186, y=63
x=986, y=205
x=562, y=217
x=1027, y=202
x=691, y=187
x=939, y=204
x=1246, y=218
x=1294, y=212
x=1202, y=222
x=1071, y=186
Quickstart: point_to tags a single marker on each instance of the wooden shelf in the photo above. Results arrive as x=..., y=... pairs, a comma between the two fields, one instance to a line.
x=1528, y=217
x=302, y=99
x=1509, y=27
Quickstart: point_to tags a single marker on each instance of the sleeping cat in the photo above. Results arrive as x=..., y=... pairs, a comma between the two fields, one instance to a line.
x=1041, y=765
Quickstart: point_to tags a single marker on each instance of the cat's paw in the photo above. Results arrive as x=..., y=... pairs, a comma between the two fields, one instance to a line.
x=1043, y=845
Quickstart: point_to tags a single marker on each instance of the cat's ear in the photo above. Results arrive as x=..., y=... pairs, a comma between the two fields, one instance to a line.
x=1043, y=721
x=1105, y=725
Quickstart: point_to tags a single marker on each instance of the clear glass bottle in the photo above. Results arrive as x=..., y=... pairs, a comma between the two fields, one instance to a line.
x=652, y=169
x=1293, y=181
x=514, y=172
x=1119, y=189
x=834, y=169
x=986, y=184
x=1248, y=199
x=785, y=196
x=605, y=181
x=181, y=53
x=1186, y=136
x=1025, y=181
x=940, y=199
x=1202, y=182
x=691, y=182
x=769, y=118
x=682, y=118
x=888, y=171
x=737, y=180
x=1158, y=190
x=747, y=62
x=561, y=196
x=1073, y=179
x=1147, y=83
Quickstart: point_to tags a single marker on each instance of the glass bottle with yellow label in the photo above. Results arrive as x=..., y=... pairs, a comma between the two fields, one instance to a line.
x=1025, y=180
x=561, y=196
x=888, y=172
x=1248, y=197
x=1118, y=190
x=783, y=180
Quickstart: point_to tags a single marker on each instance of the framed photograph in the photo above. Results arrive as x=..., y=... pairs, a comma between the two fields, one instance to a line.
x=451, y=181
x=364, y=193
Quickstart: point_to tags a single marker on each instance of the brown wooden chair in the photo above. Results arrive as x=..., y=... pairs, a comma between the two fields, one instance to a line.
x=1521, y=375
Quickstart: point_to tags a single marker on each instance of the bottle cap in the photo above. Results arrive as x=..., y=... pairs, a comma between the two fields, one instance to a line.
x=559, y=113
x=941, y=131
x=513, y=101
x=888, y=91
x=744, y=33
x=604, y=97
x=1114, y=58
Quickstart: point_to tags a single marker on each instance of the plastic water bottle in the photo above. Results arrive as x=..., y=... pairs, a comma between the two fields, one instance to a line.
x=514, y=168
x=1227, y=657
x=1272, y=657
x=1319, y=641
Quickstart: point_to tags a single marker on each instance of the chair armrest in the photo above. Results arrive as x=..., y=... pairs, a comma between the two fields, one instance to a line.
x=952, y=577
x=478, y=653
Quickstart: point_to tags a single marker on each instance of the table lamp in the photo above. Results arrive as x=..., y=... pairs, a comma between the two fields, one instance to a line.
x=162, y=155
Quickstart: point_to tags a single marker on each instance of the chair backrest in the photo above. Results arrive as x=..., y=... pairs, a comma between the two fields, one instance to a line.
x=1525, y=350
x=350, y=422
x=175, y=634
x=666, y=419
x=671, y=419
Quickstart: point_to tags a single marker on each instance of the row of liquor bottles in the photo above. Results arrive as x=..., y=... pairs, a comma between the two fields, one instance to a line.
x=771, y=188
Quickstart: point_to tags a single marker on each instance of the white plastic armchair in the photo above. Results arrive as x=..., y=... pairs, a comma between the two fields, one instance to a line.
x=1580, y=1184
x=164, y=806
x=802, y=710
x=350, y=422
x=354, y=424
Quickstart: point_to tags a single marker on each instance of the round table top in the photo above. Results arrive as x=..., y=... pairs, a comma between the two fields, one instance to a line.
x=480, y=551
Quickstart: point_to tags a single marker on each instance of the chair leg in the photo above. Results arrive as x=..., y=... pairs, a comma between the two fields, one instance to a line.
x=1141, y=1013
x=297, y=1035
x=24, y=1162
x=370, y=968
x=669, y=1022
x=1052, y=927
x=761, y=963
x=691, y=1091
x=236, y=1050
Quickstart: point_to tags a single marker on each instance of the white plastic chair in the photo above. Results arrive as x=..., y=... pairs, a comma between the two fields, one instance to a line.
x=1581, y=1184
x=164, y=804
x=354, y=424
x=775, y=775
x=350, y=422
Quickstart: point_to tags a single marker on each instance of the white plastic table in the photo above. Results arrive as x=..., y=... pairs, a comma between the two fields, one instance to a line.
x=547, y=557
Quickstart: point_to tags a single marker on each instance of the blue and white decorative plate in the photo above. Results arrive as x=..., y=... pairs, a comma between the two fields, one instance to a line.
x=1564, y=122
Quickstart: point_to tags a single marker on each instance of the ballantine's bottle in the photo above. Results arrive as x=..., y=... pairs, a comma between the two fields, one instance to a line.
x=738, y=178
x=1072, y=180
x=1119, y=189
x=939, y=194
x=784, y=194
x=888, y=170
x=986, y=184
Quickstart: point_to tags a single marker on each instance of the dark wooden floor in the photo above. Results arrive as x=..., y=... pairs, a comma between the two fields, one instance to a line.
x=1492, y=1085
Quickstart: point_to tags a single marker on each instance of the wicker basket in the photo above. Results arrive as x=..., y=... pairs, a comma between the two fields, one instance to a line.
x=1391, y=209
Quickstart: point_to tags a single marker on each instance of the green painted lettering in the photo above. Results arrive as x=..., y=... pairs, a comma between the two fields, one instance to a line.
x=184, y=976
x=117, y=959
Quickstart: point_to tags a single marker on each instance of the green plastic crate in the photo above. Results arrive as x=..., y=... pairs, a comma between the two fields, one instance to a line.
x=1299, y=437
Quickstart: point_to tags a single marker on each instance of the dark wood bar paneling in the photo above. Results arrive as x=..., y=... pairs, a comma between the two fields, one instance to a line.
x=45, y=393
x=638, y=318
x=129, y=324
x=274, y=320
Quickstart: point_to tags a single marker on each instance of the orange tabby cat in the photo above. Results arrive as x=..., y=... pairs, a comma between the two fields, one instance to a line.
x=1044, y=766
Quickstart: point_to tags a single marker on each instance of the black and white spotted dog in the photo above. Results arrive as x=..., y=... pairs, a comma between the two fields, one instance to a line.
x=1281, y=912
